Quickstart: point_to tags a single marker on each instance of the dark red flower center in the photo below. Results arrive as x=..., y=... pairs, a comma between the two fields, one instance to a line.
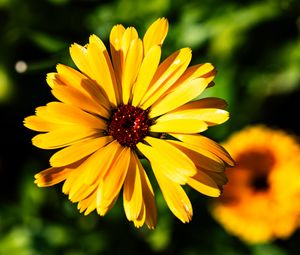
x=129, y=125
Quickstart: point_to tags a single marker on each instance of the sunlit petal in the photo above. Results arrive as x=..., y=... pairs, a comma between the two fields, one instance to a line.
x=155, y=34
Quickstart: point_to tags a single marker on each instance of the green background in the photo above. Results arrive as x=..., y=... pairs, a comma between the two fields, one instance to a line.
x=255, y=48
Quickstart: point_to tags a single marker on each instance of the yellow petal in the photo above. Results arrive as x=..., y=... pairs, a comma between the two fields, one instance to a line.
x=50, y=78
x=206, y=71
x=51, y=176
x=210, y=116
x=72, y=78
x=63, y=137
x=103, y=73
x=97, y=165
x=182, y=125
x=147, y=212
x=129, y=35
x=79, y=56
x=74, y=97
x=201, y=70
x=146, y=73
x=201, y=157
x=206, y=144
x=167, y=73
x=69, y=115
x=132, y=191
x=100, y=209
x=111, y=184
x=115, y=39
x=148, y=198
x=74, y=185
x=177, y=166
x=131, y=68
x=88, y=204
x=155, y=34
x=78, y=151
x=120, y=41
x=38, y=124
x=185, y=93
x=80, y=192
x=204, y=184
x=174, y=195
x=94, y=39
x=140, y=220
x=101, y=47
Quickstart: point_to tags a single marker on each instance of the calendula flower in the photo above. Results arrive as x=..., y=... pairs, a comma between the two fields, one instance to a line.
x=125, y=105
x=261, y=201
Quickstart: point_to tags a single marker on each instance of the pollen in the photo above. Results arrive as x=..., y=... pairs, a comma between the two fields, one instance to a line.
x=129, y=125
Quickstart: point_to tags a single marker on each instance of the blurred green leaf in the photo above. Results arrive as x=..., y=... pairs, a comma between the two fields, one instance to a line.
x=267, y=249
x=48, y=42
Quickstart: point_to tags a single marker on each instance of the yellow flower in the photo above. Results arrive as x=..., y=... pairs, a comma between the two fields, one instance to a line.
x=261, y=201
x=124, y=106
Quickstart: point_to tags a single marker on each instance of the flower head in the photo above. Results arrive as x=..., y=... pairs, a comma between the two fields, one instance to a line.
x=261, y=201
x=125, y=105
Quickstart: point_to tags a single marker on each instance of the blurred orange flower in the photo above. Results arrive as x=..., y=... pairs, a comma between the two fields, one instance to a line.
x=261, y=202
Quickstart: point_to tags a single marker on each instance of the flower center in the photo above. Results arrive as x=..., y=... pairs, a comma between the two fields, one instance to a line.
x=260, y=164
x=129, y=125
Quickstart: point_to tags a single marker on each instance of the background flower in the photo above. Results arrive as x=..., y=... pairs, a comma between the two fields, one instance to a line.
x=253, y=44
x=261, y=202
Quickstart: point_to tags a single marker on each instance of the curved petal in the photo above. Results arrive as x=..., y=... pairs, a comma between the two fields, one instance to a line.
x=167, y=73
x=210, y=116
x=140, y=220
x=102, y=48
x=63, y=137
x=148, y=198
x=206, y=144
x=155, y=34
x=120, y=41
x=182, y=125
x=165, y=154
x=115, y=40
x=112, y=182
x=74, y=97
x=79, y=56
x=132, y=64
x=88, y=204
x=37, y=123
x=102, y=71
x=51, y=176
x=85, y=180
x=69, y=115
x=80, y=191
x=175, y=196
x=138, y=196
x=204, y=184
x=132, y=191
x=205, y=71
x=201, y=157
x=146, y=73
x=97, y=165
x=72, y=78
x=185, y=93
x=78, y=151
